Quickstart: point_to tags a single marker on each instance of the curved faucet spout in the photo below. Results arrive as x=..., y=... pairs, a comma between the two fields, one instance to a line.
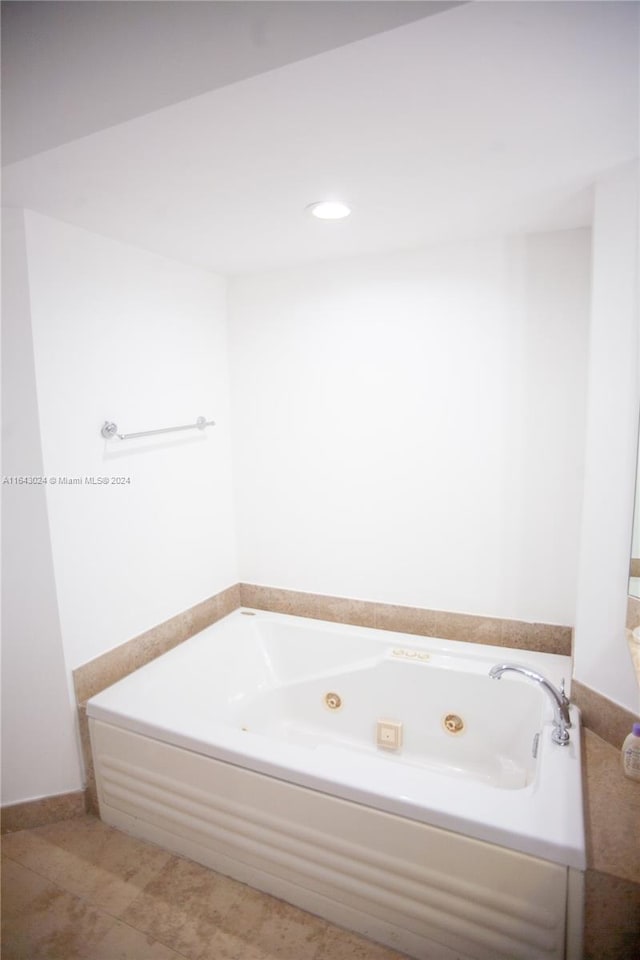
x=561, y=718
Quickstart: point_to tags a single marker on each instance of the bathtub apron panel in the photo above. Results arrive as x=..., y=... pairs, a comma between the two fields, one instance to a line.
x=434, y=894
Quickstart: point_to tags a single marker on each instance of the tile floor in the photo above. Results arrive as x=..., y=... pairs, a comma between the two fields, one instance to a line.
x=79, y=890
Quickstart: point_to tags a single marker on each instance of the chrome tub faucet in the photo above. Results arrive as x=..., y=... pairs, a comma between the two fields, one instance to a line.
x=560, y=702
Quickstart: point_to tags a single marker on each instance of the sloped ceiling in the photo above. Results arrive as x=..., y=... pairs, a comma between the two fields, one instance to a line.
x=72, y=68
x=485, y=118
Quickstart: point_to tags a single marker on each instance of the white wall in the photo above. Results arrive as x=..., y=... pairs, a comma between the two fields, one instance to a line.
x=40, y=754
x=95, y=330
x=410, y=428
x=602, y=658
x=125, y=335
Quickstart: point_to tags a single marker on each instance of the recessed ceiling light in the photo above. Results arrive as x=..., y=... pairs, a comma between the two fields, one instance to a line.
x=329, y=210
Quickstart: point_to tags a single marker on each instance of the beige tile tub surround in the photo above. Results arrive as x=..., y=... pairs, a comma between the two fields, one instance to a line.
x=607, y=719
x=543, y=637
x=98, y=674
x=112, y=666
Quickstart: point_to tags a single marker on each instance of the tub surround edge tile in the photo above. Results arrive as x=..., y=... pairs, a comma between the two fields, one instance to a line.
x=401, y=619
x=541, y=637
x=92, y=677
x=109, y=667
x=297, y=603
x=91, y=790
x=103, y=671
x=607, y=719
x=37, y=813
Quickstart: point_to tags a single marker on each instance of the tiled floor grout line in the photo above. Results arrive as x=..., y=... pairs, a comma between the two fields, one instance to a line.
x=55, y=883
x=156, y=939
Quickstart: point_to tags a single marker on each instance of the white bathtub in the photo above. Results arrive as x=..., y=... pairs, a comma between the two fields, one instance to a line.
x=185, y=746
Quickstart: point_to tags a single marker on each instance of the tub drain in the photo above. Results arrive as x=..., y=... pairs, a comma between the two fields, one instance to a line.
x=453, y=723
x=333, y=701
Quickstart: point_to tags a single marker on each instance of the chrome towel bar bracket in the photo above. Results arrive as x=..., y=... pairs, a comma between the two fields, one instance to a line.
x=111, y=429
